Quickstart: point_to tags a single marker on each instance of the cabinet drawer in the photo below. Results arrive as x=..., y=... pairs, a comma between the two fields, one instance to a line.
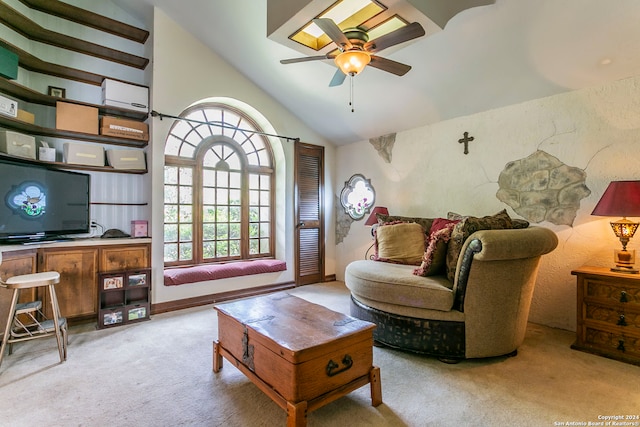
x=612, y=343
x=612, y=292
x=136, y=312
x=120, y=258
x=111, y=317
x=618, y=316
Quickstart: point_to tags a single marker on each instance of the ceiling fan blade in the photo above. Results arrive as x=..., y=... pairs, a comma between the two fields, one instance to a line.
x=334, y=32
x=389, y=66
x=338, y=78
x=401, y=35
x=306, y=58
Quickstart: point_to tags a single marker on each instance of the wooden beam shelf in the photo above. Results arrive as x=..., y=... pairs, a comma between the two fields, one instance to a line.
x=90, y=19
x=119, y=204
x=29, y=95
x=32, y=63
x=72, y=166
x=31, y=129
x=31, y=30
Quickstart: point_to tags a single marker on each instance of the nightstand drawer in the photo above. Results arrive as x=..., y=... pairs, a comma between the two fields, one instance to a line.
x=618, y=316
x=612, y=344
x=612, y=292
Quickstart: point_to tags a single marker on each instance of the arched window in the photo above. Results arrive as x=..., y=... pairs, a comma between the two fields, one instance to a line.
x=218, y=188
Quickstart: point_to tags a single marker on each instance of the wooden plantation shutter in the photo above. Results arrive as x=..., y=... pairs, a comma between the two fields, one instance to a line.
x=309, y=207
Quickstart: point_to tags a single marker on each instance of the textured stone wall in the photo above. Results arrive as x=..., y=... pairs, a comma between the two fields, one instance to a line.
x=343, y=221
x=542, y=188
x=384, y=146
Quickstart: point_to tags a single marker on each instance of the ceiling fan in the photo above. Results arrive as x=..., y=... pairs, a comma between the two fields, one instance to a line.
x=357, y=51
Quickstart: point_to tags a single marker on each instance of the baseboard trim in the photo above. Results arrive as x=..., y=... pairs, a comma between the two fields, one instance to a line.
x=165, y=307
x=330, y=278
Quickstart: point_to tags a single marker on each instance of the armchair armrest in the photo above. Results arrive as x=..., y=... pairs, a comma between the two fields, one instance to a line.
x=513, y=243
x=500, y=245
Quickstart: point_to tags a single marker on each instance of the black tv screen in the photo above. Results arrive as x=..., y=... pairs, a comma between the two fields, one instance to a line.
x=37, y=202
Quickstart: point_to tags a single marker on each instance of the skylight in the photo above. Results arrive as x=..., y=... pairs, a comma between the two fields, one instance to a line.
x=348, y=14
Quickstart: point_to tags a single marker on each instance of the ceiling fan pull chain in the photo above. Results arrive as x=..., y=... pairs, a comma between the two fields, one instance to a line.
x=351, y=92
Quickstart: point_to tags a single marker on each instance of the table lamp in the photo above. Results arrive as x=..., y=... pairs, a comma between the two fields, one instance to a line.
x=372, y=222
x=621, y=198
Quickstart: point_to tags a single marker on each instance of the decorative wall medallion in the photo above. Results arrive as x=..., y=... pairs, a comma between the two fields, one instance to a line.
x=357, y=196
x=384, y=145
x=542, y=188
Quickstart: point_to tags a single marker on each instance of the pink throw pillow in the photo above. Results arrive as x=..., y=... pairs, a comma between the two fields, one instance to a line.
x=434, y=258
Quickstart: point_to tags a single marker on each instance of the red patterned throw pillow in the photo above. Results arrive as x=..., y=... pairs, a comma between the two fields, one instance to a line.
x=434, y=258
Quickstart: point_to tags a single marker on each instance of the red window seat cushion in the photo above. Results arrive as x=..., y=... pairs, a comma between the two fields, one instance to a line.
x=200, y=273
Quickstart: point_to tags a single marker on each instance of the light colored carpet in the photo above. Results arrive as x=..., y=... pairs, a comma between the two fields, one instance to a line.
x=158, y=373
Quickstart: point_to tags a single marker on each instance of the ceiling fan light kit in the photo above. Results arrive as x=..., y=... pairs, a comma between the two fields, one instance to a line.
x=352, y=62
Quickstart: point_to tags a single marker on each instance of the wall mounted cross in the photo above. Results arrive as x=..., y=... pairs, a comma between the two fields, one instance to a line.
x=466, y=140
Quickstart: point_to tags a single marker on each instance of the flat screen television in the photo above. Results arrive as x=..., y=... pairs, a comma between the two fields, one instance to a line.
x=41, y=203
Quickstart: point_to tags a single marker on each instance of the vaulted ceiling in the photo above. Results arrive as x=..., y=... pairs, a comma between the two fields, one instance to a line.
x=485, y=57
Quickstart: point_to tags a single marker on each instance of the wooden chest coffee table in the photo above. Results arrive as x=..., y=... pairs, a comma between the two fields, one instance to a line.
x=302, y=355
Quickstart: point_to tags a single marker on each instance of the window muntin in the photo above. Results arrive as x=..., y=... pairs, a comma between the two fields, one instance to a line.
x=218, y=188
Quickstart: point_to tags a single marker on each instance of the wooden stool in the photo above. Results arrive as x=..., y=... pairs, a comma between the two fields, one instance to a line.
x=36, y=326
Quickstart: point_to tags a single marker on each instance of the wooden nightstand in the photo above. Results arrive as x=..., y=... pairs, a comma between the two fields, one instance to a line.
x=608, y=314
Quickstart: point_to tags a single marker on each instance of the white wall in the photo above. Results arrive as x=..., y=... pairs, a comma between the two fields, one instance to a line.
x=184, y=72
x=595, y=129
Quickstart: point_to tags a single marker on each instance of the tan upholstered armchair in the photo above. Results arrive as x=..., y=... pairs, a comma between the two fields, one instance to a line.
x=483, y=313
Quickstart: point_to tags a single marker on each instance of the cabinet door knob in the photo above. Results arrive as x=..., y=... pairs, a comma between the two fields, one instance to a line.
x=623, y=297
x=621, y=346
x=621, y=321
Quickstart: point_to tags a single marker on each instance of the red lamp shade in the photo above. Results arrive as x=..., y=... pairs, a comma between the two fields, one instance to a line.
x=621, y=198
x=377, y=210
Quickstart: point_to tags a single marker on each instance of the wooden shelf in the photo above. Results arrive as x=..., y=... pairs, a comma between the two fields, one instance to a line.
x=35, y=64
x=71, y=166
x=119, y=204
x=32, y=31
x=90, y=19
x=11, y=123
x=29, y=95
x=28, y=28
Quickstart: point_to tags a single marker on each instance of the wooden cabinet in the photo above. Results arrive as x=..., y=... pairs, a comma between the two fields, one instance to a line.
x=125, y=284
x=608, y=322
x=13, y=264
x=124, y=297
x=81, y=264
x=77, y=291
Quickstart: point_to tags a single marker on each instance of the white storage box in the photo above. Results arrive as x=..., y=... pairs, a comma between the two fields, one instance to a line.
x=83, y=154
x=125, y=95
x=17, y=144
x=126, y=159
x=47, y=154
x=8, y=107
